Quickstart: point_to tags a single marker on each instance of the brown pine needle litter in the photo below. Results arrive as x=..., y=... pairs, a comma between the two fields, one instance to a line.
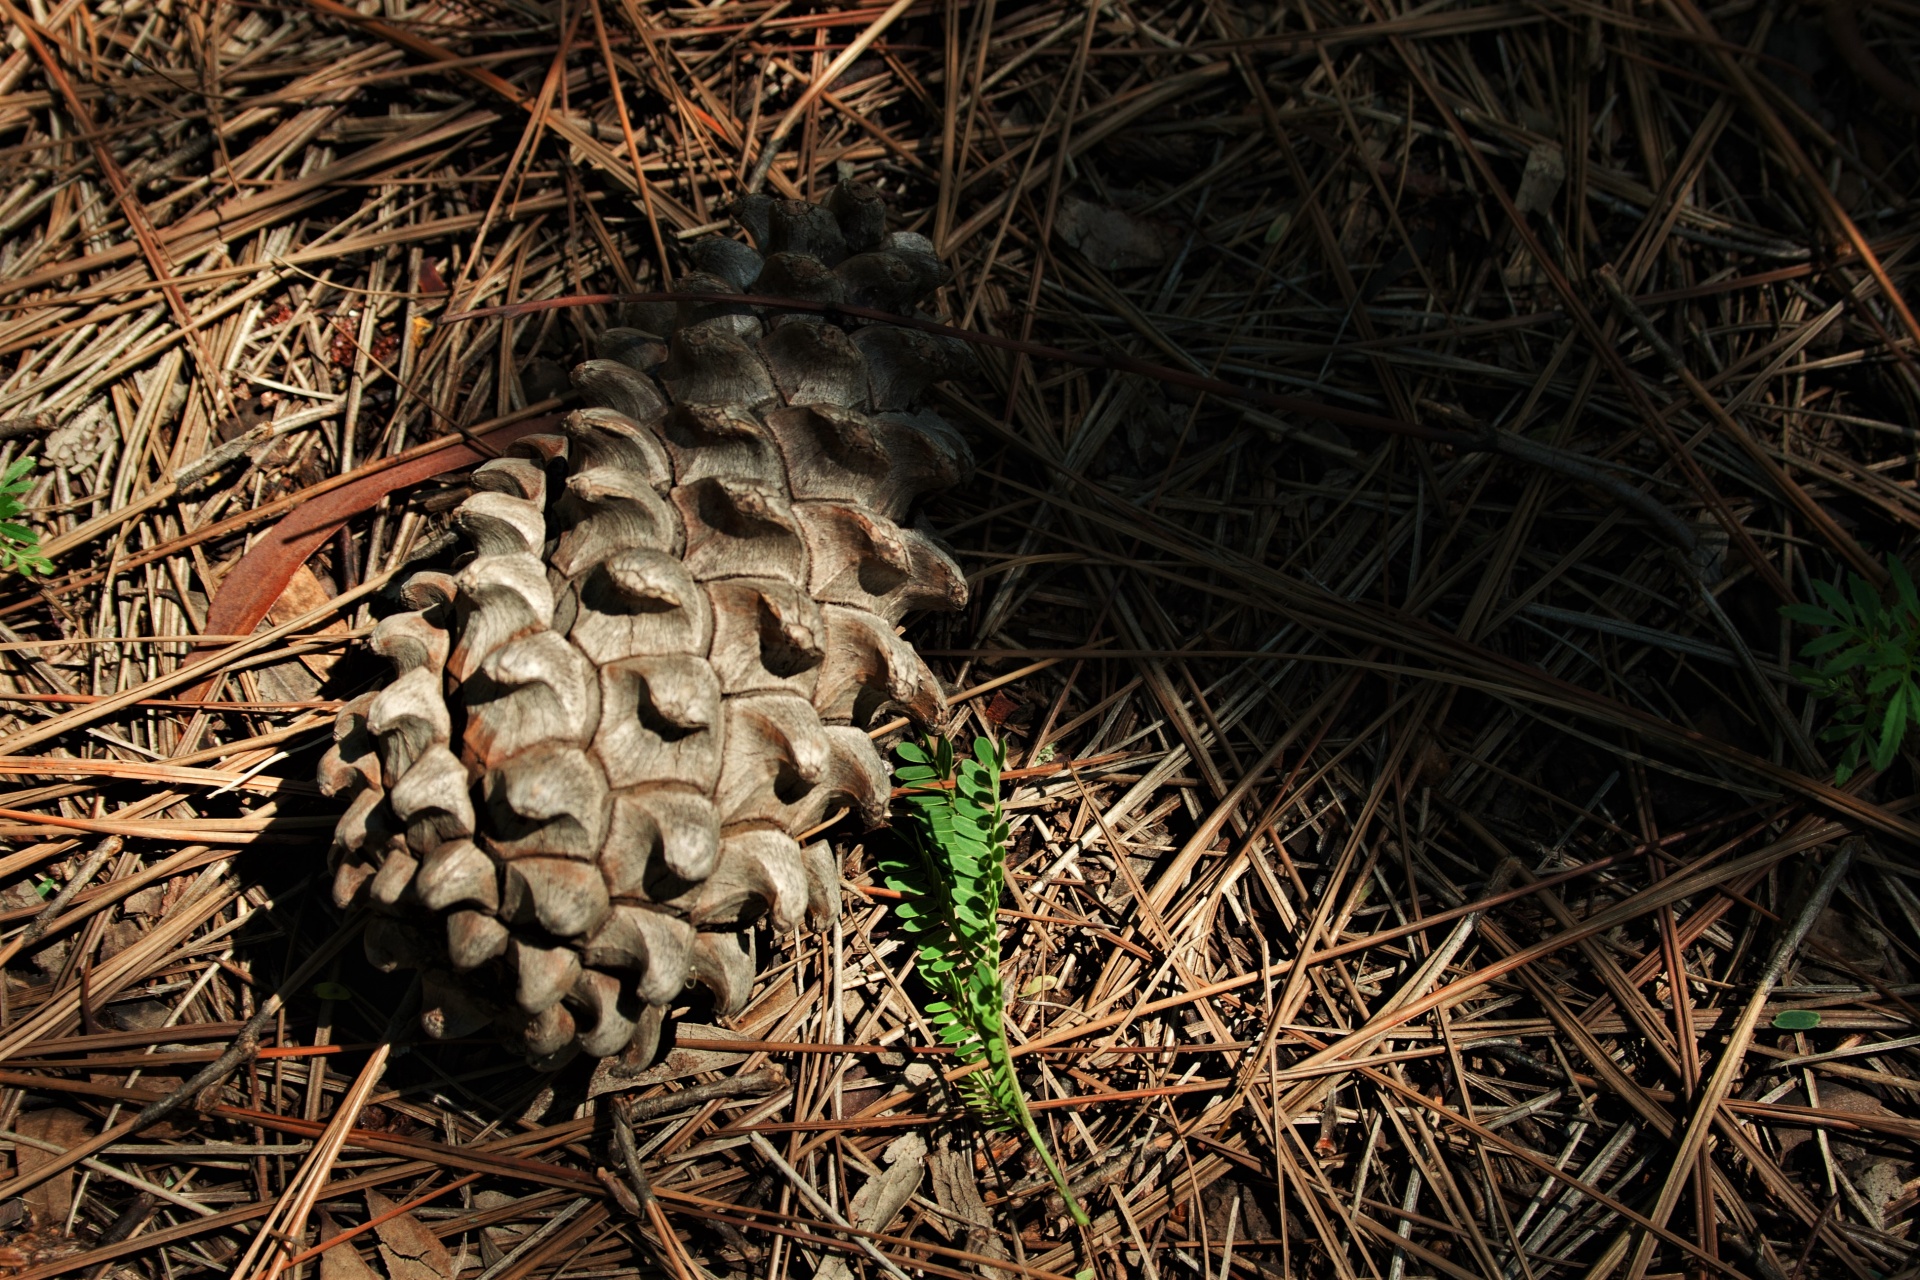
x=1398, y=429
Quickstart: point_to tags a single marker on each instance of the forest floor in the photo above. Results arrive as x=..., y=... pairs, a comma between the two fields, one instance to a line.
x=1425, y=863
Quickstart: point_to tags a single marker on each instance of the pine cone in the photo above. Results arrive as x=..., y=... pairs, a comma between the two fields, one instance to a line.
x=609, y=730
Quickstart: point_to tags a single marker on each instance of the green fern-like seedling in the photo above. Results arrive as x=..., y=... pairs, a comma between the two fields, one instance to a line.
x=1866, y=662
x=19, y=545
x=950, y=878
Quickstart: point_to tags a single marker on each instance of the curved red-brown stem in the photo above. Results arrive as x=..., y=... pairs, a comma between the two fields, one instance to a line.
x=1843, y=24
x=253, y=584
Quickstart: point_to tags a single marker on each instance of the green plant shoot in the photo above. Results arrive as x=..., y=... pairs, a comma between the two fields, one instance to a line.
x=1865, y=662
x=19, y=545
x=951, y=878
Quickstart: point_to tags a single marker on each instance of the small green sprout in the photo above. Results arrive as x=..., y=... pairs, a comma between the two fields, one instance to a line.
x=19, y=544
x=1865, y=662
x=951, y=878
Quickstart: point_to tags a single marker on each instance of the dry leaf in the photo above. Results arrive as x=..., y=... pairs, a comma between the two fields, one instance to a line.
x=881, y=1198
x=1833, y=1097
x=1540, y=180
x=1111, y=238
x=343, y=1261
x=411, y=1251
x=401, y=1267
x=52, y=1200
x=304, y=593
x=957, y=1191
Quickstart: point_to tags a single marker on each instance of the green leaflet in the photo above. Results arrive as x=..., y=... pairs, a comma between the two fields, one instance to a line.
x=1866, y=662
x=19, y=545
x=952, y=879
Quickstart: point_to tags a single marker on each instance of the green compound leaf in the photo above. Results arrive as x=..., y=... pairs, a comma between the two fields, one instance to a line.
x=1903, y=586
x=1835, y=600
x=19, y=544
x=1865, y=598
x=951, y=886
x=1863, y=663
x=1796, y=1020
x=1808, y=615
